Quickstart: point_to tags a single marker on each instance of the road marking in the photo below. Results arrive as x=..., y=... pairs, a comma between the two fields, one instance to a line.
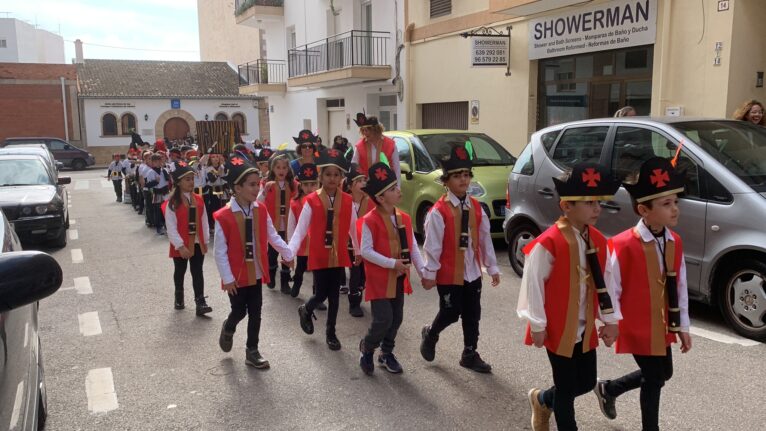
x=99, y=386
x=89, y=324
x=15, y=413
x=72, y=221
x=77, y=255
x=106, y=184
x=82, y=185
x=81, y=285
x=73, y=234
x=722, y=338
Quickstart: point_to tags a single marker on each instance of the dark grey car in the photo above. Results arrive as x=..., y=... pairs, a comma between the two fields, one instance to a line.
x=722, y=212
x=64, y=152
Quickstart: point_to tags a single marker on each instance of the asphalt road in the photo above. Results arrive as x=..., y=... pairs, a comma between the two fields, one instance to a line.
x=118, y=357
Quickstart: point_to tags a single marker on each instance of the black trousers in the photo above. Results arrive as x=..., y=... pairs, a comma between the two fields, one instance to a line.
x=301, y=264
x=212, y=204
x=284, y=272
x=572, y=377
x=460, y=302
x=247, y=302
x=387, y=317
x=327, y=282
x=653, y=372
x=117, y=184
x=355, y=283
x=148, y=209
x=138, y=200
x=158, y=217
x=195, y=263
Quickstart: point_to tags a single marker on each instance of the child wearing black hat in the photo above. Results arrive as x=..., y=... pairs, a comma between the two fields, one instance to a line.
x=189, y=235
x=114, y=172
x=648, y=275
x=158, y=182
x=457, y=243
x=242, y=230
x=563, y=292
x=388, y=248
x=356, y=181
x=328, y=219
x=308, y=178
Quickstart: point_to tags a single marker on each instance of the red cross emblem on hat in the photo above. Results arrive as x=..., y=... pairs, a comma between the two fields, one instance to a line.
x=333, y=153
x=381, y=174
x=304, y=135
x=237, y=161
x=307, y=172
x=182, y=164
x=659, y=178
x=591, y=177
x=461, y=153
x=361, y=118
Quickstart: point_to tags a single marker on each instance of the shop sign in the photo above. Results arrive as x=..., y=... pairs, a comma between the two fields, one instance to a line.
x=606, y=26
x=489, y=51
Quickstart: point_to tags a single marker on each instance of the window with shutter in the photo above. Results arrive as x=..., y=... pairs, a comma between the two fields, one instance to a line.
x=440, y=8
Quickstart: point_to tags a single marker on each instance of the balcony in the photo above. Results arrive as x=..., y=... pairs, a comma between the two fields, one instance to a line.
x=346, y=58
x=262, y=77
x=257, y=12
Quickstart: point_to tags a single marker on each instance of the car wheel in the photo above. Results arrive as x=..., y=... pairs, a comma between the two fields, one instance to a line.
x=60, y=240
x=420, y=219
x=518, y=238
x=742, y=297
x=78, y=164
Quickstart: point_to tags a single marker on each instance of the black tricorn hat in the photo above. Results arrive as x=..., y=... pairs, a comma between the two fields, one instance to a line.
x=363, y=120
x=587, y=182
x=353, y=173
x=458, y=160
x=381, y=178
x=332, y=157
x=182, y=169
x=657, y=178
x=307, y=173
x=237, y=168
x=264, y=155
x=305, y=136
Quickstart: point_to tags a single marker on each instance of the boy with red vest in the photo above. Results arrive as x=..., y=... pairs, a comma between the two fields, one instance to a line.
x=186, y=221
x=363, y=204
x=242, y=230
x=328, y=220
x=457, y=243
x=563, y=292
x=308, y=179
x=373, y=143
x=388, y=247
x=648, y=275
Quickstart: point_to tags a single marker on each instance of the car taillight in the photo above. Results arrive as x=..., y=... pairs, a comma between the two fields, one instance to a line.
x=507, y=198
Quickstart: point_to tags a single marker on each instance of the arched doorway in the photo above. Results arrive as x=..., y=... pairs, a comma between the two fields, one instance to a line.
x=176, y=128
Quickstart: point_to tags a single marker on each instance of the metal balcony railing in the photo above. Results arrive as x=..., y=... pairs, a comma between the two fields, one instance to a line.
x=240, y=6
x=353, y=48
x=262, y=72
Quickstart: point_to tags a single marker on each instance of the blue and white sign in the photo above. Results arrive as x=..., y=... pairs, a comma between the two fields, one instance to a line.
x=175, y=103
x=610, y=25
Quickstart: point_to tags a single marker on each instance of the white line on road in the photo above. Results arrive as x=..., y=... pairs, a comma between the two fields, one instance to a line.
x=722, y=338
x=73, y=234
x=89, y=324
x=77, y=255
x=99, y=386
x=82, y=185
x=106, y=184
x=81, y=285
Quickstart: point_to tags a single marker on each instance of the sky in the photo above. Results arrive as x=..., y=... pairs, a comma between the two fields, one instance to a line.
x=153, y=29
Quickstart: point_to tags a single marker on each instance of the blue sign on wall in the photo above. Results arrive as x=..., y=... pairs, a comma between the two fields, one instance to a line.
x=175, y=103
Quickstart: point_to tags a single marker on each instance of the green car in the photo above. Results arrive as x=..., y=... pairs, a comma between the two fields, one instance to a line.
x=419, y=155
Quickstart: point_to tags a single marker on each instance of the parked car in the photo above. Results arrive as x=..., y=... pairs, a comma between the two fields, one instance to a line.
x=63, y=151
x=722, y=211
x=419, y=154
x=34, y=199
x=34, y=149
x=25, y=278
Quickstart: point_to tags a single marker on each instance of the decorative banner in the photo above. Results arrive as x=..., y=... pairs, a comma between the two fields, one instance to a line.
x=610, y=25
x=489, y=51
x=474, y=112
x=218, y=136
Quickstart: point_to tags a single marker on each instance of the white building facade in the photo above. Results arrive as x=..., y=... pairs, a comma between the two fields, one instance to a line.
x=23, y=43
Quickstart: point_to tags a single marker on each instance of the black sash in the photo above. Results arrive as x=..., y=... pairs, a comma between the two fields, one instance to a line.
x=328, y=226
x=249, y=239
x=192, y=220
x=464, y=218
x=403, y=241
x=591, y=257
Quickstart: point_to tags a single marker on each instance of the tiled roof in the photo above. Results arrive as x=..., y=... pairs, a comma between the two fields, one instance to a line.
x=144, y=78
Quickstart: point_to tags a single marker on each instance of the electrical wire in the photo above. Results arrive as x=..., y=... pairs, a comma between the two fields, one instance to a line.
x=133, y=49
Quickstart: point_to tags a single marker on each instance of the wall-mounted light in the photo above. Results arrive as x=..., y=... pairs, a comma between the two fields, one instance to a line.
x=146, y=117
x=206, y=117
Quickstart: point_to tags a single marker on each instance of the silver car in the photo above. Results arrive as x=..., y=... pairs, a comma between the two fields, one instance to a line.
x=722, y=211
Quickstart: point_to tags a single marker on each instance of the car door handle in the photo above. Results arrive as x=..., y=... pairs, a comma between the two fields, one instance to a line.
x=609, y=206
x=546, y=192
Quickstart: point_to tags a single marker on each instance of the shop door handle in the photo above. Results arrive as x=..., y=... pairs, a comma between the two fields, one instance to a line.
x=545, y=192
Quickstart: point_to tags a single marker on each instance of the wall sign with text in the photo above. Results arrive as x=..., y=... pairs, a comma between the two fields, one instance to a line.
x=489, y=51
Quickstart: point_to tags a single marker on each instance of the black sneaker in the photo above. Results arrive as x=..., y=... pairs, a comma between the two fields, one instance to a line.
x=390, y=363
x=332, y=342
x=428, y=344
x=202, y=307
x=295, y=291
x=473, y=361
x=365, y=359
x=255, y=360
x=284, y=286
x=606, y=402
x=226, y=339
x=343, y=290
x=179, y=302
x=305, y=317
x=356, y=311
x=321, y=306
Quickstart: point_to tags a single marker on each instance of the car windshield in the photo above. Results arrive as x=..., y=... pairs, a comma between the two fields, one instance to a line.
x=23, y=172
x=738, y=145
x=486, y=151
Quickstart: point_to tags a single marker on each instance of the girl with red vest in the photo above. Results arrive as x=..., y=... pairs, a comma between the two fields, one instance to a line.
x=388, y=248
x=648, y=274
x=563, y=292
x=363, y=204
x=328, y=219
x=309, y=183
x=276, y=193
x=186, y=223
x=457, y=243
x=242, y=230
x=372, y=144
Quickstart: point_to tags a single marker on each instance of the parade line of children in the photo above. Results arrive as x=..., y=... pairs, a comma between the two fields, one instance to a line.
x=329, y=215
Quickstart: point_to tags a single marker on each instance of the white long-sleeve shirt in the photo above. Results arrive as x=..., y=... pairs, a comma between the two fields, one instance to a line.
x=432, y=247
x=302, y=228
x=613, y=278
x=369, y=253
x=171, y=224
x=394, y=162
x=221, y=247
x=537, y=268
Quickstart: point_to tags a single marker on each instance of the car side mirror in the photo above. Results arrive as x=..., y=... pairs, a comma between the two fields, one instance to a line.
x=59, y=165
x=27, y=277
x=406, y=170
x=64, y=180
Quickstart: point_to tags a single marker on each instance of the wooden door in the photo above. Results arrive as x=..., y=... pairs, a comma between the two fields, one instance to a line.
x=176, y=128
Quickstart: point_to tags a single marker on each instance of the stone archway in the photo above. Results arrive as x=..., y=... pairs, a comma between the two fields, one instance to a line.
x=159, y=125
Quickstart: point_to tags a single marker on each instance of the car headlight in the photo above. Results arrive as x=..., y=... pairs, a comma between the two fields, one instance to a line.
x=476, y=190
x=41, y=209
x=26, y=211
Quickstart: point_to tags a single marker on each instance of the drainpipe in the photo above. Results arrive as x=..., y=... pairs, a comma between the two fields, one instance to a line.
x=664, y=58
x=63, y=103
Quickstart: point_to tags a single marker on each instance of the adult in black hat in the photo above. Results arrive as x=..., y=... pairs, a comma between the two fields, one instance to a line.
x=306, y=147
x=374, y=146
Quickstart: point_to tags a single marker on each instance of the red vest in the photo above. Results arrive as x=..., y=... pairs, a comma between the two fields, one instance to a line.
x=182, y=225
x=562, y=289
x=334, y=256
x=296, y=207
x=273, y=204
x=644, y=304
x=233, y=226
x=365, y=157
x=380, y=283
x=452, y=258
